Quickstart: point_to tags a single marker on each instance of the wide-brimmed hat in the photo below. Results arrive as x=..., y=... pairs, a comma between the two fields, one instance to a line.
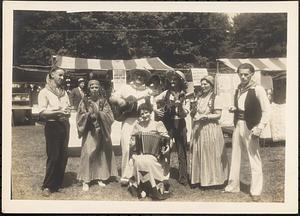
x=144, y=72
x=80, y=80
x=179, y=74
x=209, y=79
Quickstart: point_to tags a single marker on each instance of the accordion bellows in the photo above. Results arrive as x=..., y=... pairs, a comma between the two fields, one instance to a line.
x=148, y=143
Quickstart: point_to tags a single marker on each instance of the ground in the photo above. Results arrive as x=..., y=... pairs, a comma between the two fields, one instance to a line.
x=29, y=160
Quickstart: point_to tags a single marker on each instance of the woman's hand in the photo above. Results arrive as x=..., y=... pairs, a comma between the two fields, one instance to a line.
x=200, y=117
x=203, y=118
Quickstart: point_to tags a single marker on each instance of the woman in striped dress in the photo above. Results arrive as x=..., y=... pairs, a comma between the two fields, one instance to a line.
x=209, y=164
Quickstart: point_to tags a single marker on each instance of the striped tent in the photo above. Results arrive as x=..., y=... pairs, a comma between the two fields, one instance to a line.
x=71, y=63
x=276, y=67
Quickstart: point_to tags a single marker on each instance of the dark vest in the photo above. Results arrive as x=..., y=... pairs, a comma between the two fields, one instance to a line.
x=253, y=111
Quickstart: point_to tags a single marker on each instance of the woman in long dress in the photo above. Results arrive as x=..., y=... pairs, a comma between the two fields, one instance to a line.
x=94, y=120
x=150, y=174
x=209, y=164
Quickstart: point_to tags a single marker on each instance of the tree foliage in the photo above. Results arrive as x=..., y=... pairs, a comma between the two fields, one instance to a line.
x=179, y=39
x=259, y=35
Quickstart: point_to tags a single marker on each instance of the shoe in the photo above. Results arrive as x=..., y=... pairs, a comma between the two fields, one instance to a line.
x=101, y=184
x=230, y=189
x=142, y=195
x=124, y=182
x=184, y=182
x=85, y=186
x=133, y=191
x=255, y=198
x=167, y=186
x=161, y=196
x=46, y=192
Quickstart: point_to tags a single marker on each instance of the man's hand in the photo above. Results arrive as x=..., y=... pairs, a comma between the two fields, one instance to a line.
x=232, y=109
x=256, y=131
x=159, y=112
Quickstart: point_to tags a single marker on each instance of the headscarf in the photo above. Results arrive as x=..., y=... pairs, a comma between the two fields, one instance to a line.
x=93, y=82
x=209, y=79
x=96, y=82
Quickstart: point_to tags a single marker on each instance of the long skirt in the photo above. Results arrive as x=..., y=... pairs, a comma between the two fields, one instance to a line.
x=209, y=163
x=96, y=163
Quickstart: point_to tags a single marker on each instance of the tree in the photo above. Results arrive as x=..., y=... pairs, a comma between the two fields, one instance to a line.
x=259, y=35
x=179, y=39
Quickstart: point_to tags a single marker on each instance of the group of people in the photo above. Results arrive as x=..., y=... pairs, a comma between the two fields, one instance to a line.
x=153, y=121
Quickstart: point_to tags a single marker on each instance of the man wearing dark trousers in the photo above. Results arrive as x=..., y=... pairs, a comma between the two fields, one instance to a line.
x=173, y=116
x=54, y=107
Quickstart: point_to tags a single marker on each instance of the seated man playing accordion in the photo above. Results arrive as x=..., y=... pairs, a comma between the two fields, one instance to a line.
x=149, y=157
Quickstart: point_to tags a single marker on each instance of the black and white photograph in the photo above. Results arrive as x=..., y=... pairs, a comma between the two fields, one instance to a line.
x=150, y=107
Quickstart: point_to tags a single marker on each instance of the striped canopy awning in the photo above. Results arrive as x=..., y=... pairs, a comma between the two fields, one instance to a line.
x=260, y=64
x=100, y=64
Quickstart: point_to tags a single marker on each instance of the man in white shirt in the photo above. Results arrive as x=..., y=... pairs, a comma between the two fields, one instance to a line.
x=54, y=109
x=251, y=114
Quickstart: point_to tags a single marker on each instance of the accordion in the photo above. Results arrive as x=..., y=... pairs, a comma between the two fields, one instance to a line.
x=149, y=143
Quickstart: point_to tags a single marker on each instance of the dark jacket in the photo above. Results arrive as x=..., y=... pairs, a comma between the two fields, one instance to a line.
x=75, y=97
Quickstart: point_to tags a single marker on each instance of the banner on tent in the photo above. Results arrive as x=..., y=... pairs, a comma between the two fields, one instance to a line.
x=198, y=74
x=119, y=78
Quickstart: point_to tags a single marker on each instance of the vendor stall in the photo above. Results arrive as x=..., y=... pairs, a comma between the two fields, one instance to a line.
x=271, y=74
x=27, y=82
x=112, y=74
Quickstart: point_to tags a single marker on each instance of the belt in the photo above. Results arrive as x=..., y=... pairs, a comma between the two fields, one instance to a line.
x=240, y=115
x=58, y=120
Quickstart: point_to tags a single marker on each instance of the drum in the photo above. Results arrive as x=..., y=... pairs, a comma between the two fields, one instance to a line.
x=148, y=143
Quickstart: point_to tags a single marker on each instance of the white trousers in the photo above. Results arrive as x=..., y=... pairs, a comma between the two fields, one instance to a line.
x=126, y=132
x=243, y=138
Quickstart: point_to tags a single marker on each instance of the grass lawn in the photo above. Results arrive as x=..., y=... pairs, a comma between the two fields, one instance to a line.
x=29, y=161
